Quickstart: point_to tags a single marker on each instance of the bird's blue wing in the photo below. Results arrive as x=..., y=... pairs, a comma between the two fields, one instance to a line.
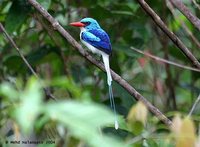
x=98, y=38
x=87, y=36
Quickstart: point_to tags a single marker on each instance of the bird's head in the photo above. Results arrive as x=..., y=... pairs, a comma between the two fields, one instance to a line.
x=87, y=23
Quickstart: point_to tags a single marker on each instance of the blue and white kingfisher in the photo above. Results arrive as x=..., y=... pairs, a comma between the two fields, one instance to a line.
x=98, y=41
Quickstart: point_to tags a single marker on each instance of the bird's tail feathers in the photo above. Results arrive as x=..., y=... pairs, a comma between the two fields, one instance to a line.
x=107, y=67
x=109, y=81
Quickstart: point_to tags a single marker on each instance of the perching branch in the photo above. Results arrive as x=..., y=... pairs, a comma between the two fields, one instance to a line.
x=165, y=61
x=87, y=56
x=194, y=105
x=185, y=11
x=2, y=29
x=170, y=34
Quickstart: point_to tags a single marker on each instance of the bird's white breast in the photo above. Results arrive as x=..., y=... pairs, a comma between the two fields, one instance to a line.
x=90, y=47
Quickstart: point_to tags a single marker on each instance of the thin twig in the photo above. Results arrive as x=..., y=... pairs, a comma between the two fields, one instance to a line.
x=194, y=39
x=165, y=61
x=195, y=3
x=185, y=11
x=91, y=59
x=170, y=34
x=194, y=105
x=15, y=46
x=2, y=29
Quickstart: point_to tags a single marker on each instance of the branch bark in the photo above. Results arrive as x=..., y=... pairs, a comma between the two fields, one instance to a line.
x=185, y=11
x=170, y=34
x=85, y=54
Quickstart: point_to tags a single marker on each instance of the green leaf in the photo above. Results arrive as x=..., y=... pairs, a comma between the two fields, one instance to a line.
x=137, y=118
x=7, y=90
x=165, y=143
x=99, y=12
x=17, y=14
x=124, y=49
x=13, y=63
x=45, y=3
x=30, y=105
x=137, y=42
x=41, y=55
x=175, y=52
x=84, y=120
x=152, y=143
x=122, y=12
x=133, y=6
x=69, y=84
x=137, y=127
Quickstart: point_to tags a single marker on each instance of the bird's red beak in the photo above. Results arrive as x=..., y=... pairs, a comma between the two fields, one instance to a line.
x=77, y=24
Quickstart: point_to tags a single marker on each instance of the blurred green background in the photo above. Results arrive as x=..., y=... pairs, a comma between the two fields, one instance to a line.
x=81, y=116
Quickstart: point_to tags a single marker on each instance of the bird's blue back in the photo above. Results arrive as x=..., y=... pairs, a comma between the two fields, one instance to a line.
x=96, y=36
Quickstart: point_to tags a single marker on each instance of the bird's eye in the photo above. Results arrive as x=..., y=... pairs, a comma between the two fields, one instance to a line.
x=86, y=23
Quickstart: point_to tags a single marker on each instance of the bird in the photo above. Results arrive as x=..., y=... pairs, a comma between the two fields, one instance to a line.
x=98, y=42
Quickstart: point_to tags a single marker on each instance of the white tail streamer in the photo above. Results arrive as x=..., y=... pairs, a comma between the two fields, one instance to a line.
x=107, y=67
x=109, y=81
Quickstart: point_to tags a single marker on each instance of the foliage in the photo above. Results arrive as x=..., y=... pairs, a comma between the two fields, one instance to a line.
x=81, y=114
x=79, y=118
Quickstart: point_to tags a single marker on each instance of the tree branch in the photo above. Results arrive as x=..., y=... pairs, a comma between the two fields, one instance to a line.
x=164, y=60
x=194, y=105
x=185, y=11
x=170, y=34
x=85, y=54
x=46, y=90
x=194, y=39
